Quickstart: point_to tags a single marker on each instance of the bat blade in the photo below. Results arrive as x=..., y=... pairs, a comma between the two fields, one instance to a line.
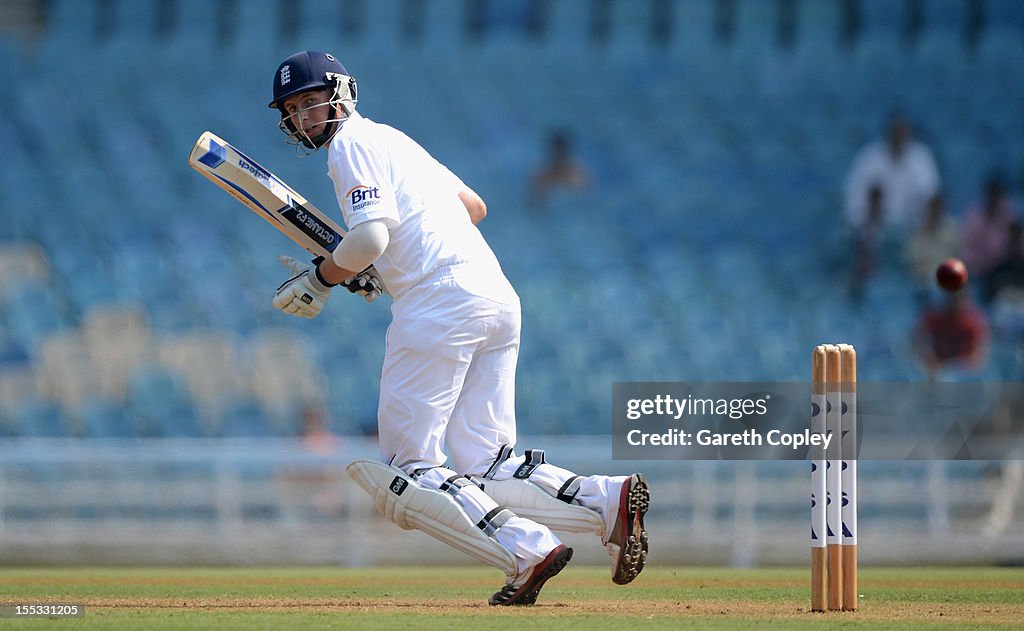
x=265, y=194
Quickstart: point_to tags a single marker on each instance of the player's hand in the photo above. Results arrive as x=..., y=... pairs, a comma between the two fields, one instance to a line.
x=366, y=283
x=304, y=294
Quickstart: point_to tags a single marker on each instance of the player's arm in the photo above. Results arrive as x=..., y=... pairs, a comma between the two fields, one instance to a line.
x=305, y=293
x=358, y=250
x=475, y=206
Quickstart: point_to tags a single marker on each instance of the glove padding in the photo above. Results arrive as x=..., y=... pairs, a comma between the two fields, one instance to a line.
x=366, y=283
x=304, y=294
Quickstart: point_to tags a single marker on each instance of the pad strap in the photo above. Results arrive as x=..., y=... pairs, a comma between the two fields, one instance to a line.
x=534, y=458
x=494, y=519
x=453, y=485
x=504, y=453
x=570, y=489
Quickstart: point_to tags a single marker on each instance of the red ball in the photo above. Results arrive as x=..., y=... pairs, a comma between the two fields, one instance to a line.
x=951, y=274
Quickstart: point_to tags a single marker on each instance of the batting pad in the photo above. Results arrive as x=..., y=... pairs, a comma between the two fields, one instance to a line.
x=531, y=502
x=414, y=507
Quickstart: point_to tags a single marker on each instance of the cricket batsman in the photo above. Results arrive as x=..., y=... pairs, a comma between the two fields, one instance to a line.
x=448, y=379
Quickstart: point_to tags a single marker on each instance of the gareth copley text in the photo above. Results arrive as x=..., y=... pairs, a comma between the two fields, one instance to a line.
x=710, y=438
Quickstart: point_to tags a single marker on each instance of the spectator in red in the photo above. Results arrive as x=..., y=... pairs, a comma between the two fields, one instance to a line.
x=952, y=336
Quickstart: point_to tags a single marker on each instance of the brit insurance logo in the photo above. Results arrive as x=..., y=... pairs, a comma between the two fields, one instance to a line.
x=363, y=196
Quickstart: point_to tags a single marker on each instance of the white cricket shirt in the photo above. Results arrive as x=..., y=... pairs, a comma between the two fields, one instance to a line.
x=380, y=173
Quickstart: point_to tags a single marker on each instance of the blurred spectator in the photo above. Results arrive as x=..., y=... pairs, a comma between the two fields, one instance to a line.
x=952, y=336
x=934, y=240
x=561, y=170
x=317, y=438
x=986, y=229
x=903, y=167
x=868, y=243
x=312, y=484
x=1004, y=286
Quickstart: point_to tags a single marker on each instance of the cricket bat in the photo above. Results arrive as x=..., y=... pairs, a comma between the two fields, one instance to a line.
x=268, y=196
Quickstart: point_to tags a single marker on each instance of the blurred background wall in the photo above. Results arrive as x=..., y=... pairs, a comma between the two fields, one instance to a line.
x=150, y=394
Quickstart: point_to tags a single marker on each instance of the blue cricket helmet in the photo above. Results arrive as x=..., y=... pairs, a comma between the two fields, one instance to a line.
x=313, y=70
x=308, y=70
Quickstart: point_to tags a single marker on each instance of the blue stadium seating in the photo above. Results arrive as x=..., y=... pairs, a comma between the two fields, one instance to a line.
x=1003, y=14
x=245, y=419
x=161, y=406
x=105, y=417
x=948, y=17
x=717, y=179
x=883, y=16
x=39, y=418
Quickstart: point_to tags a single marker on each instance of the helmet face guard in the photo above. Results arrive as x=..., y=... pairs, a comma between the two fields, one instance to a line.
x=310, y=71
x=341, y=105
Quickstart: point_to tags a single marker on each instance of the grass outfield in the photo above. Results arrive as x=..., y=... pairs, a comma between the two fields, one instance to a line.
x=454, y=599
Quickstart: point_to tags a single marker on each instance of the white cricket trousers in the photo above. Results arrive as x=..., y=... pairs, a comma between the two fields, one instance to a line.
x=448, y=378
x=449, y=381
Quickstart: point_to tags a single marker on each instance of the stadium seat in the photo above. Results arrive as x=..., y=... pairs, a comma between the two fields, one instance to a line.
x=567, y=29
x=159, y=401
x=194, y=28
x=1003, y=14
x=321, y=24
x=33, y=312
x=819, y=26
x=757, y=26
x=39, y=418
x=939, y=59
x=945, y=16
x=209, y=363
x=254, y=34
x=71, y=23
x=12, y=353
x=1000, y=57
x=631, y=29
x=888, y=17
x=104, y=417
x=133, y=28
x=692, y=39
x=281, y=371
x=879, y=61
x=243, y=418
x=22, y=261
x=444, y=26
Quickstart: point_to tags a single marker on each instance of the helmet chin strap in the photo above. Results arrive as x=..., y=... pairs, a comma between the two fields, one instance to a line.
x=331, y=126
x=320, y=139
x=341, y=113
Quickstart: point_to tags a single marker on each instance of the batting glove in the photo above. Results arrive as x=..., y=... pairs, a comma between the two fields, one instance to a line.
x=366, y=283
x=305, y=293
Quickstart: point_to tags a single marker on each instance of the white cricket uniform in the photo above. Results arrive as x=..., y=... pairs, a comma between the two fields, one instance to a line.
x=449, y=368
x=454, y=336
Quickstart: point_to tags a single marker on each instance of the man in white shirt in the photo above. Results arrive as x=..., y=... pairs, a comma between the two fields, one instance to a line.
x=905, y=171
x=448, y=378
